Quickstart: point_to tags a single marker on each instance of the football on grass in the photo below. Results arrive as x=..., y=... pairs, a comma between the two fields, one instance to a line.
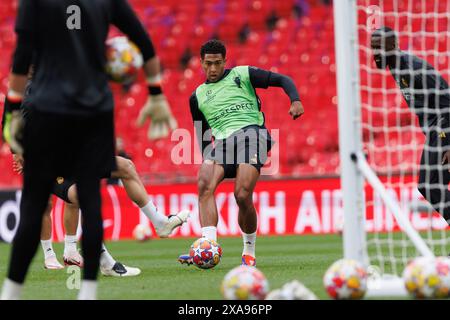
x=346, y=279
x=205, y=253
x=428, y=278
x=142, y=232
x=245, y=283
x=123, y=60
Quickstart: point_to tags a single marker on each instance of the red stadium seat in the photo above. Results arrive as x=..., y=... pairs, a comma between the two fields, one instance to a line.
x=301, y=47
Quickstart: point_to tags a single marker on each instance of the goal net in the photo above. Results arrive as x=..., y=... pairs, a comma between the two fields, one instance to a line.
x=391, y=139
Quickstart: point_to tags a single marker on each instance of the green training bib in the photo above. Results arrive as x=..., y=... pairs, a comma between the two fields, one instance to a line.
x=230, y=104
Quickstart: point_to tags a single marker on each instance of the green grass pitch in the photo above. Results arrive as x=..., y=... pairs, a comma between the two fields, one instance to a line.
x=280, y=258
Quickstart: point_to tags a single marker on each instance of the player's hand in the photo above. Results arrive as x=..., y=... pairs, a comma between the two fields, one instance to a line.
x=296, y=109
x=13, y=130
x=446, y=158
x=158, y=110
x=18, y=163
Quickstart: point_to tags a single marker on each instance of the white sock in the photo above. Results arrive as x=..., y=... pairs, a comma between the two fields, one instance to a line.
x=158, y=219
x=88, y=290
x=249, y=243
x=106, y=260
x=209, y=233
x=48, y=248
x=11, y=290
x=70, y=244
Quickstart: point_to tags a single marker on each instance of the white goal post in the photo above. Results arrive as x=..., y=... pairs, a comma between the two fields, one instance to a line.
x=356, y=171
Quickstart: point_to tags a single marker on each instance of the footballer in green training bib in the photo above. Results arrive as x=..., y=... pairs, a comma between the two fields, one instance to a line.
x=230, y=104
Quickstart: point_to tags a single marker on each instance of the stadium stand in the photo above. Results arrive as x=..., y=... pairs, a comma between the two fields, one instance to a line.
x=294, y=37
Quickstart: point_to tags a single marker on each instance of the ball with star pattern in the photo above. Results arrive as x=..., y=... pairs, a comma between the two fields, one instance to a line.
x=346, y=279
x=428, y=278
x=205, y=253
x=245, y=283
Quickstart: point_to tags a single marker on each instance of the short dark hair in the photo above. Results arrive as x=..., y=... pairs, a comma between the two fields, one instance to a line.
x=384, y=32
x=213, y=46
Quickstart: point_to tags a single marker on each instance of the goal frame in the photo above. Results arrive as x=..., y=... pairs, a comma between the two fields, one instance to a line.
x=354, y=169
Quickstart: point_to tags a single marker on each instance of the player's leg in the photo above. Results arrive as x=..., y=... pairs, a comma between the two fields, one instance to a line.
x=46, y=229
x=253, y=144
x=108, y=265
x=164, y=225
x=71, y=218
x=41, y=154
x=111, y=268
x=246, y=178
x=94, y=152
x=35, y=195
x=89, y=198
x=446, y=181
x=433, y=185
x=68, y=192
x=209, y=177
x=434, y=179
x=126, y=171
x=65, y=190
x=50, y=260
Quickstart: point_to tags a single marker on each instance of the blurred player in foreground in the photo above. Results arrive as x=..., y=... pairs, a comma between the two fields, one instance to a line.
x=66, y=190
x=227, y=108
x=427, y=94
x=72, y=132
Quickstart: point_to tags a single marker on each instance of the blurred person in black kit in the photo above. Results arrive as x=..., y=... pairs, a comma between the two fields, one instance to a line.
x=72, y=132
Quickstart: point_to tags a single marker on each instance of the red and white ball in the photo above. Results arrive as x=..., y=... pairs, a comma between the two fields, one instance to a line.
x=245, y=283
x=346, y=279
x=205, y=253
x=123, y=60
x=142, y=232
x=428, y=278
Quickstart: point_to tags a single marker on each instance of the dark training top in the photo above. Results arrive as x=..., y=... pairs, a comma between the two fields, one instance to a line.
x=70, y=57
x=425, y=91
x=231, y=103
x=25, y=106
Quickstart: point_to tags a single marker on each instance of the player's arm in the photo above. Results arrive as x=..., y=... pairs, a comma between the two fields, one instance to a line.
x=18, y=163
x=157, y=108
x=202, y=128
x=12, y=122
x=263, y=79
x=430, y=82
x=433, y=83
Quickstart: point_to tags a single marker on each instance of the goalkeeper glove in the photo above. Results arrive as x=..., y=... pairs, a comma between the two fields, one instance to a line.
x=158, y=110
x=12, y=125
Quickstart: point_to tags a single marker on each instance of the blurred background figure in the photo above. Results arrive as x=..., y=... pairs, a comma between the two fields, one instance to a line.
x=293, y=37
